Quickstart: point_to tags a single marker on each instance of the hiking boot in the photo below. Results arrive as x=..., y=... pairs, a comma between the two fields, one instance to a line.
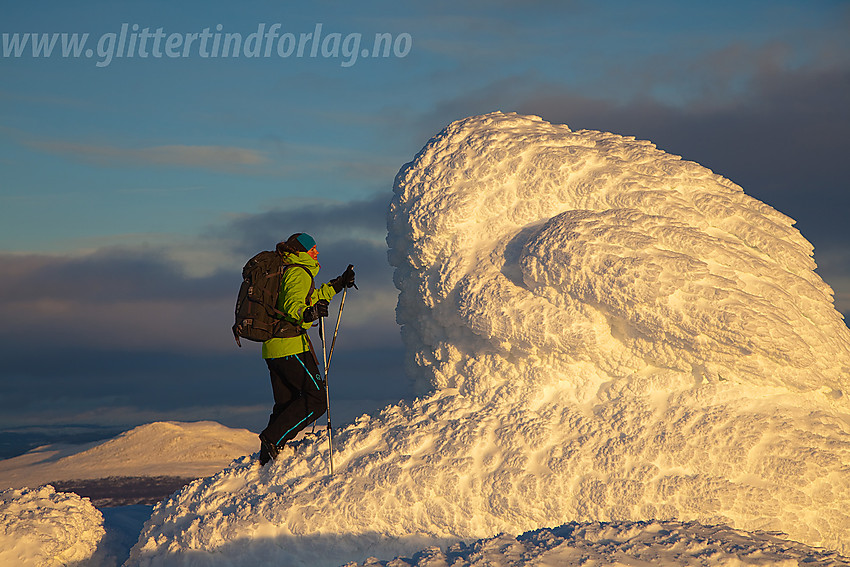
x=268, y=451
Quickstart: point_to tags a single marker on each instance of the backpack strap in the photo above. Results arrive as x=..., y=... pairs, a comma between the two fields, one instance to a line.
x=286, y=328
x=308, y=300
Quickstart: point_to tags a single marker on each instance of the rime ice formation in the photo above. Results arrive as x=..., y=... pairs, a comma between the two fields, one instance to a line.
x=601, y=332
x=41, y=528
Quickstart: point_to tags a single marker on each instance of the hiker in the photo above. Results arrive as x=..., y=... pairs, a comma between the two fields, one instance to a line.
x=299, y=392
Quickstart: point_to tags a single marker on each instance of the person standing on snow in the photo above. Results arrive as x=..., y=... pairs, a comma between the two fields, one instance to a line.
x=299, y=392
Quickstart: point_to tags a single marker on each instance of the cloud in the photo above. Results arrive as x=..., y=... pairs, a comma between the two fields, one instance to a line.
x=784, y=143
x=112, y=299
x=277, y=159
x=346, y=232
x=755, y=115
x=335, y=221
x=834, y=267
x=128, y=334
x=107, y=276
x=351, y=232
x=205, y=157
x=125, y=387
x=141, y=298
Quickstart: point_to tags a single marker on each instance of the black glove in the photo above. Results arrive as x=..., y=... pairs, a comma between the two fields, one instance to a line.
x=313, y=312
x=344, y=280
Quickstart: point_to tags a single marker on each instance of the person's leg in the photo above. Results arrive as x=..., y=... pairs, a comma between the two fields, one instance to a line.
x=316, y=400
x=302, y=377
x=284, y=393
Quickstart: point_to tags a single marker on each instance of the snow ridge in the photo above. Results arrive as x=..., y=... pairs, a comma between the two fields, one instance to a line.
x=601, y=331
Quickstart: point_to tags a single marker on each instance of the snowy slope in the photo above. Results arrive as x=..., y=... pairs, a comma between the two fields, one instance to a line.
x=621, y=544
x=600, y=331
x=162, y=448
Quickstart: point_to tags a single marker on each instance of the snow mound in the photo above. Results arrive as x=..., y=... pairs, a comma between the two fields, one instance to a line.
x=607, y=332
x=515, y=237
x=171, y=448
x=47, y=528
x=617, y=544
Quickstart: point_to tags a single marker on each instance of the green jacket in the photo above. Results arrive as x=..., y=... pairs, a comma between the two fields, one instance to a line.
x=293, y=291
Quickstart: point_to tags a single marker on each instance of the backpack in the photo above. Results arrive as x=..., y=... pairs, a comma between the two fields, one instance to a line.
x=257, y=316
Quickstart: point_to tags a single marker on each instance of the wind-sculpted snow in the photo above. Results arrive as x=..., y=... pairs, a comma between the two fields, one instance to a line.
x=618, y=544
x=600, y=330
x=42, y=527
x=589, y=247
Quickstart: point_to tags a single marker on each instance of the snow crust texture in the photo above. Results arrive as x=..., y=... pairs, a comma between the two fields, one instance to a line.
x=600, y=331
x=41, y=528
x=621, y=544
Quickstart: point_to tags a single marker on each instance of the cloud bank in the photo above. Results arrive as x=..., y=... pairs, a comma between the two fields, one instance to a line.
x=111, y=330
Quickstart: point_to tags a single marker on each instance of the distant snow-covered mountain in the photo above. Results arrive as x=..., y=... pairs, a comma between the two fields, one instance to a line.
x=42, y=525
x=170, y=448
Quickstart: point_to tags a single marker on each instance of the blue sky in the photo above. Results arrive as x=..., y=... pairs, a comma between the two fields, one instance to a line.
x=132, y=193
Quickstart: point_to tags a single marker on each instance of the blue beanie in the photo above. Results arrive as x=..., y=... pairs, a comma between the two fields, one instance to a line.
x=306, y=241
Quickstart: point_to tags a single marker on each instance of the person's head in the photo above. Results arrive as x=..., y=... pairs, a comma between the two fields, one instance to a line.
x=299, y=242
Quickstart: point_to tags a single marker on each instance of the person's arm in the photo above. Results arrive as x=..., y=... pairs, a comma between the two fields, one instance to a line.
x=344, y=280
x=336, y=285
x=326, y=292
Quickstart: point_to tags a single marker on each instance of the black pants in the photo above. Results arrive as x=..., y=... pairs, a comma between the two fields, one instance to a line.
x=299, y=396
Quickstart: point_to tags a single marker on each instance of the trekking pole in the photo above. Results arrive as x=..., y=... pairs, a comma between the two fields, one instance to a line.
x=336, y=329
x=327, y=395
